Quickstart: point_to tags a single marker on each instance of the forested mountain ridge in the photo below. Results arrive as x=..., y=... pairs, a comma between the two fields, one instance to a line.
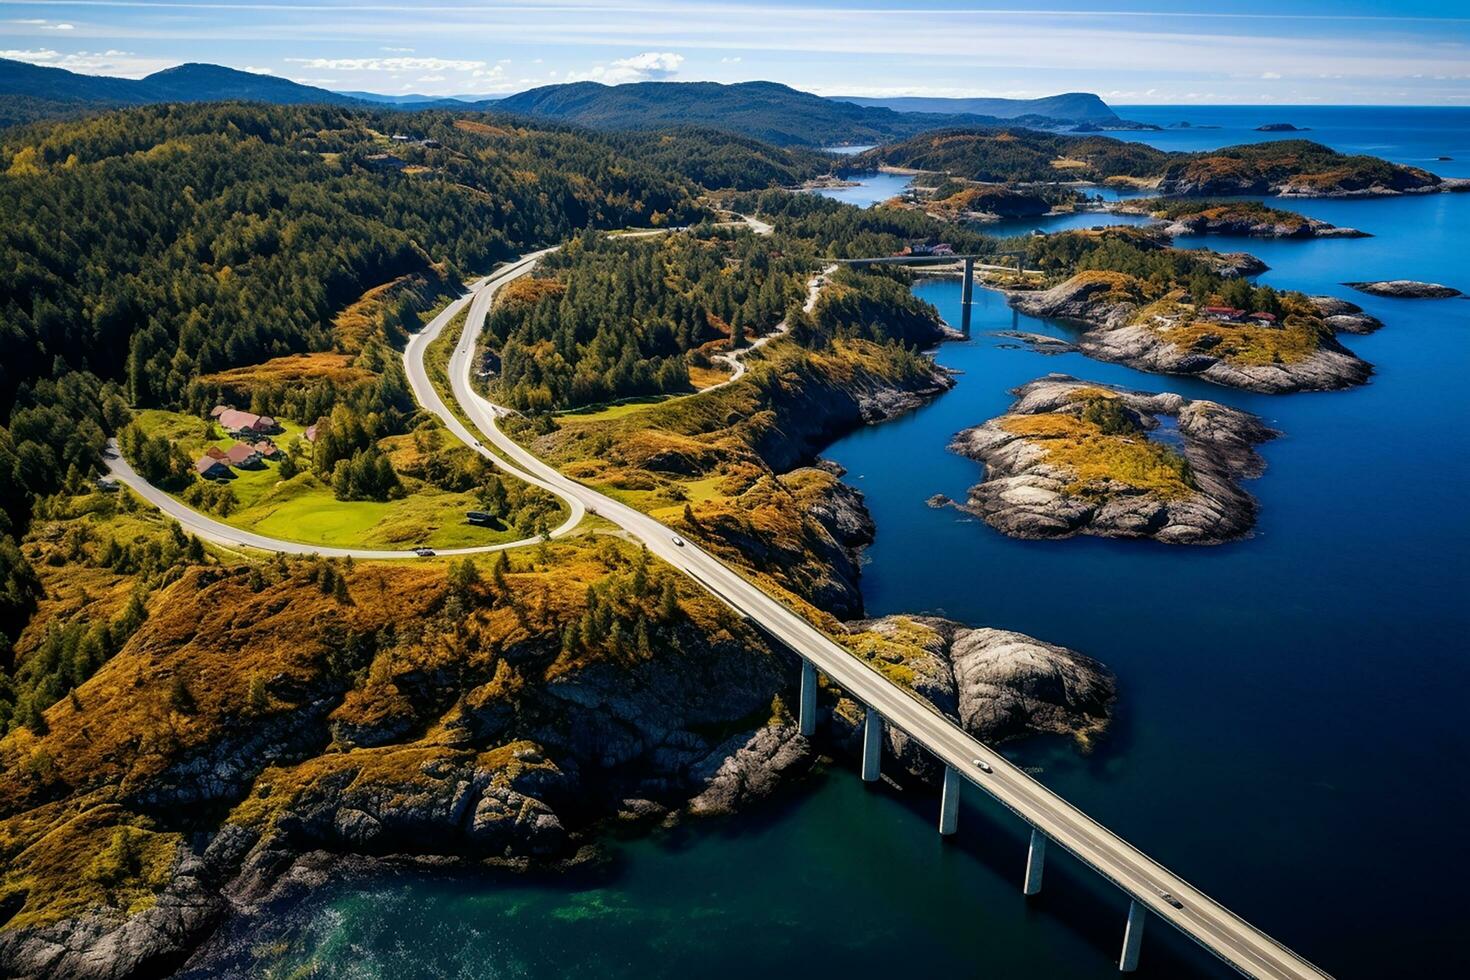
x=191, y=82
x=766, y=111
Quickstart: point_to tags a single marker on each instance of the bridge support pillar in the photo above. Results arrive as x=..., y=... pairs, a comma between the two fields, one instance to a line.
x=949, y=802
x=807, y=719
x=872, y=744
x=1132, y=938
x=1035, y=861
x=967, y=296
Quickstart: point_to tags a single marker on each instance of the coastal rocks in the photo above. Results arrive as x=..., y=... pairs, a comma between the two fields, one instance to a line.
x=1237, y=355
x=1340, y=316
x=1205, y=223
x=1091, y=299
x=748, y=767
x=107, y=946
x=996, y=684
x=1072, y=457
x=1405, y=289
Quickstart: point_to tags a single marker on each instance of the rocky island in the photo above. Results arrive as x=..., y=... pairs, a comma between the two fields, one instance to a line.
x=1405, y=289
x=1206, y=217
x=1072, y=457
x=1290, y=167
x=1132, y=322
x=1282, y=127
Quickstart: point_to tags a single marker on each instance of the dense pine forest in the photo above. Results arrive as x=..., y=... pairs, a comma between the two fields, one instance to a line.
x=609, y=318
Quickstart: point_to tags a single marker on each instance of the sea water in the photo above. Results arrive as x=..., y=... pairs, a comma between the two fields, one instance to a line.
x=1290, y=733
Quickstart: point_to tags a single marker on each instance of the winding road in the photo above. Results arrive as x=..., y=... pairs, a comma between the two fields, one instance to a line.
x=1214, y=927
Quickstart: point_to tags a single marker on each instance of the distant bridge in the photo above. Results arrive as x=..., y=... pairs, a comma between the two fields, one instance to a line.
x=967, y=295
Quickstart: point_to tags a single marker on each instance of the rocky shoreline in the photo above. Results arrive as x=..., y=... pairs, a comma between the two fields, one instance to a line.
x=1072, y=457
x=1114, y=332
x=1248, y=220
x=516, y=777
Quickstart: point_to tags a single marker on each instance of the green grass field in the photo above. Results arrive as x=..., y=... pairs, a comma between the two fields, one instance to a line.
x=304, y=509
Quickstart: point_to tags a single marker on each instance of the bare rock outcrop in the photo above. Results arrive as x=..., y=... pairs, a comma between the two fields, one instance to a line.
x=1405, y=289
x=996, y=684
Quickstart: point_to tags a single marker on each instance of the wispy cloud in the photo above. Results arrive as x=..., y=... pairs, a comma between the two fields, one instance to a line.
x=388, y=64
x=645, y=67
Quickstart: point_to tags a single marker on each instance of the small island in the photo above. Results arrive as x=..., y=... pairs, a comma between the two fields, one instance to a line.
x=1224, y=330
x=996, y=683
x=1195, y=216
x=1282, y=127
x=1073, y=457
x=1405, y=289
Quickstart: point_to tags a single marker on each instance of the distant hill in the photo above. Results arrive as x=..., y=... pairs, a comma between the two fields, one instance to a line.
x=1072, y=106
x=55, y=90
x=1295, y=167
x=767, y=111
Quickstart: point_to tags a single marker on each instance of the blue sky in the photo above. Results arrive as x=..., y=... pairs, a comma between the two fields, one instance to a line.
x=1129, y=51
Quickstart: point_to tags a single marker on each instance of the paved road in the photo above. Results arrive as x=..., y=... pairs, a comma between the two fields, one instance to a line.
x=232, y=537
x=1216, y=928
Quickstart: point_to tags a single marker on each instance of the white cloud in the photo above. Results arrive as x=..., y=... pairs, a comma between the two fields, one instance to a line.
x=59, y=27
x=1270, y=74
x=397, y=50
x=731, y=61
x=258, y=71
x=388, y=64
x=109, y=62
x=648, y=66
x=431, y=78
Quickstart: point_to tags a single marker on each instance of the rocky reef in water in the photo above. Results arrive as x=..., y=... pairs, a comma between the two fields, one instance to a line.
x=1297, y=352
x=1405, y=289
x=1073, y=457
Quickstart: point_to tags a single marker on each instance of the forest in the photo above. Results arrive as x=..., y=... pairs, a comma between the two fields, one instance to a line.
x=1013, y=154
x=609, y=317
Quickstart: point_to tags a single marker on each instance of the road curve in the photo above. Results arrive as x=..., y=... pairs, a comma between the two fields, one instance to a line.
x=228, y=536
x=1216, y=928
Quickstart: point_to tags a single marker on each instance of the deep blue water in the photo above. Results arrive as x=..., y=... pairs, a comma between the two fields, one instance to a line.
x=1290, y=737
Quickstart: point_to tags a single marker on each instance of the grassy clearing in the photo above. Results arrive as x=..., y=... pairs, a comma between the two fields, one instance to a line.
x=1238, y=343
x=304, y=509
x=1099, y=461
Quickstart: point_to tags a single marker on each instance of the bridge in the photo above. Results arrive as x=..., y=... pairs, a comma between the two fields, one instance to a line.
x=971, y=263
x=1153, y=890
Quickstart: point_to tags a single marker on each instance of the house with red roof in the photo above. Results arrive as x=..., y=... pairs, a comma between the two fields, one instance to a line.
x=242, y=455
x=238, y=423
x=211, y=469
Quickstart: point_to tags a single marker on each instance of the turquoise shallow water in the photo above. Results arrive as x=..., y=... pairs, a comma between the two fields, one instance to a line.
x=1290, y=736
